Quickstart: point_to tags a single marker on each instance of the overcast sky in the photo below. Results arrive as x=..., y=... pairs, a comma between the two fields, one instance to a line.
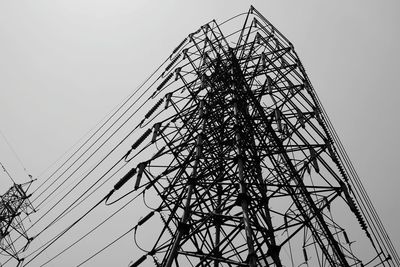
x=65, y=64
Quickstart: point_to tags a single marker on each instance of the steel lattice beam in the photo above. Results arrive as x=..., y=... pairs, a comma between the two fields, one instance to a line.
x=244, y=165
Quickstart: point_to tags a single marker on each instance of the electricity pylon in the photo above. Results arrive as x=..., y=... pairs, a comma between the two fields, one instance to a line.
x=246, y=168
x=14, y=203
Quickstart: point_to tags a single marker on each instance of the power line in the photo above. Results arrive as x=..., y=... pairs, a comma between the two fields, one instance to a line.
x=93, y=229
x=54, y=239
x=8, y=174
x=15, y=154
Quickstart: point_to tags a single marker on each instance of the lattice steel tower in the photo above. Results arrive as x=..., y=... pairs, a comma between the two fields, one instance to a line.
x=244, y=165
x=14, y=203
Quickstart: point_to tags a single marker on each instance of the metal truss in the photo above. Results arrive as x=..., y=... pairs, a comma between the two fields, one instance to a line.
x=14, y=204
x=242, y=164
x=245, y=171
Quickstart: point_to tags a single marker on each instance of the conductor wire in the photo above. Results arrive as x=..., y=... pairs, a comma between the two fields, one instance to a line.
x=15, y=154
x=93, y=229
x=8, y=174
x=102, y=126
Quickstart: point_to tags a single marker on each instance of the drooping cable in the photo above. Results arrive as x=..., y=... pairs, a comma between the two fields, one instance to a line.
x=110, y=244
x=8, y=174
x=92, y=230
x=15, y=155
x=103, y=125
x=54, y=239
x=120, y=142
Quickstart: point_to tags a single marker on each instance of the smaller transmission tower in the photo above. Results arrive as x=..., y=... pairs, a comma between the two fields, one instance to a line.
x=14, y=207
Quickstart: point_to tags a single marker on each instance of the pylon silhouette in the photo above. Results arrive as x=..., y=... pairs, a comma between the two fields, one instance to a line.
x=14, y=203
x=248, y=170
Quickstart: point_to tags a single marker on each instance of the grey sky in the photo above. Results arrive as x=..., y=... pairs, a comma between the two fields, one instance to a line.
x=65, y=64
